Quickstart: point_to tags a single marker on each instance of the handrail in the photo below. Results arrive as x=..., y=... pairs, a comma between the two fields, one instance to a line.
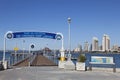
x=33, y=57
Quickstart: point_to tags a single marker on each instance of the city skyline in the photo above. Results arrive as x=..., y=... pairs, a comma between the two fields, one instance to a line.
x=89, y=18
x=94, y=45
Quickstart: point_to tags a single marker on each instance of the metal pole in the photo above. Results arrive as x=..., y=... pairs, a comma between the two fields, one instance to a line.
x=29, y=56
x=23, y=48
x=15, y=57
x=4, y=48
x=69, y=39
x=62, y=43
x=23, y=54
x=62, y=50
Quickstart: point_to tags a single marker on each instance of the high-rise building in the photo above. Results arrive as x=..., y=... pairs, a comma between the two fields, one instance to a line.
x=80, y=47
x=106, y=43
x=95, y=46
x=86, y=46
x=90, y=48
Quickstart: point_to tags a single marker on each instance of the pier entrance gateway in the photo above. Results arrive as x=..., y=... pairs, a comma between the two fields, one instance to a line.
x=48, y=35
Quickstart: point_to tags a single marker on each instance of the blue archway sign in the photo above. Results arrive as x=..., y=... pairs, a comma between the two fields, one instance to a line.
x=56, y=36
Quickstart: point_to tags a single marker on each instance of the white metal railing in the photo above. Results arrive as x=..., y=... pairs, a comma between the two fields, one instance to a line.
x=32, y=58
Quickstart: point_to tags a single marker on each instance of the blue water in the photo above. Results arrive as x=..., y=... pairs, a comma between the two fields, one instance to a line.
x=7, y=55
x=116, y=57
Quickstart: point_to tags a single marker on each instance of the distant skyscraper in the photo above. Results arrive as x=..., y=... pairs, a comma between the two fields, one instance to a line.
x=106, y=43
x=90, y=48
x=86, y=47
x=115, y=47
x=78, y=49
x=95, y=46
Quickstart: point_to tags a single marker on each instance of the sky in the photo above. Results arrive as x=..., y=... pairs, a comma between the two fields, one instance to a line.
x=89, y=18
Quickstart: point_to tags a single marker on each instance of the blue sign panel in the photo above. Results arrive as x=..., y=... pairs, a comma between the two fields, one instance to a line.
x=34, y=34
x=101, y=59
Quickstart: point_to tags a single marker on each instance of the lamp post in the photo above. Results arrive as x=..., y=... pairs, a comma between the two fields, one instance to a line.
x=29, y=55
x=9, y=36
x=4, y=48
x=16, y=58
x=69, y=39
x=31, y=46
x=23, y=56
x=69, y=63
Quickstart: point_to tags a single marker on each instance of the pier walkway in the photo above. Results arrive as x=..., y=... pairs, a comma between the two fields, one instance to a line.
x=42, y=61
x=22, y=63
x=39, y=60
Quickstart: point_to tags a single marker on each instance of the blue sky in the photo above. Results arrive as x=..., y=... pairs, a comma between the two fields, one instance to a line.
x=90, y=18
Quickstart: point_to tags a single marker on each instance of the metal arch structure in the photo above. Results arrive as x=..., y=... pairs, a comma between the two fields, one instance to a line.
x=55, y=36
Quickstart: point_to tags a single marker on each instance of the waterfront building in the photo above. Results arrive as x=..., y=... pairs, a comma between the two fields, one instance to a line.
x=119, y=49
x=95, y=46
x=90, y=48
x=106, y=43
x=78, y=49
x=86, y=47
x=100, y=48
x=114, y=48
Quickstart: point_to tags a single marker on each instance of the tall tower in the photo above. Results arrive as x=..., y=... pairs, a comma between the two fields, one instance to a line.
x=106, y=43
x=86, y=46
x=95, y=46
x=80, y=47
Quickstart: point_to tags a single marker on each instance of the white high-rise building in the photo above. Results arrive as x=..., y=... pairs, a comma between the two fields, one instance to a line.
x=95, y=46
x=106, y=43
